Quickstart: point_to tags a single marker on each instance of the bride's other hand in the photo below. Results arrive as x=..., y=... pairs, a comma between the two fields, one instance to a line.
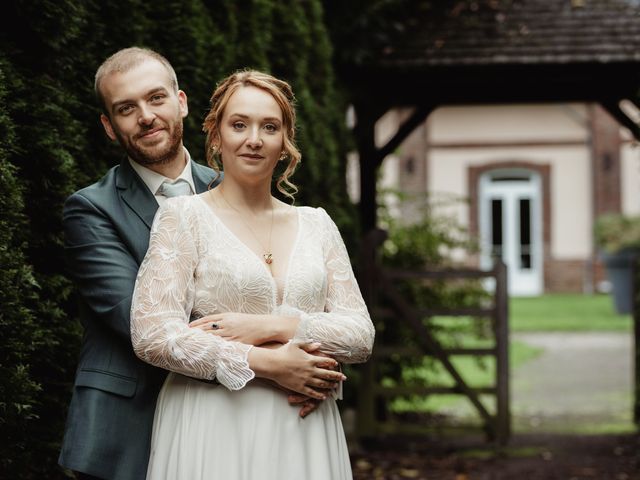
x=248, y=328
x=306, y=403
x=294, y=369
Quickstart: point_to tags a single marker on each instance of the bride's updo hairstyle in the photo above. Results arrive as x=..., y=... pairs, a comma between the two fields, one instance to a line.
x=282, y=94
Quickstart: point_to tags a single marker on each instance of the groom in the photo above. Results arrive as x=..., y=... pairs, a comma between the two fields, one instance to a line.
x=106, y=227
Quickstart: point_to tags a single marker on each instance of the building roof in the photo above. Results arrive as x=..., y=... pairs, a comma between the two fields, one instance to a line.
x=504, y=51
x=500, y=32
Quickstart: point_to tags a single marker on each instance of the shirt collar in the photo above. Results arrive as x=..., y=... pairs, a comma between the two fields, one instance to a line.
x=153, y=180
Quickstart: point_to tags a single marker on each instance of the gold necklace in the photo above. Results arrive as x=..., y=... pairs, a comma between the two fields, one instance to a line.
x=268, y=256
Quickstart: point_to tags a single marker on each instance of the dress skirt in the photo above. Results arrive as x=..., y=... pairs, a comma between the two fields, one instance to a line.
x=203, y=431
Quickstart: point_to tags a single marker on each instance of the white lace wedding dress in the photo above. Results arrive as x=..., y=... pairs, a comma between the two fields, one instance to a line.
x=241, y=428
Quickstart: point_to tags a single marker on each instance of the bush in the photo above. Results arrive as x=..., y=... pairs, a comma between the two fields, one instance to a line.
x=614, y=232
x=426, y=244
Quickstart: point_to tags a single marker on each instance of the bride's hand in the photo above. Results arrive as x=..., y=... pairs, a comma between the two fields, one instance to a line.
x=306, y=403
x=240, y=327
x=248, y=328
x=294, y=369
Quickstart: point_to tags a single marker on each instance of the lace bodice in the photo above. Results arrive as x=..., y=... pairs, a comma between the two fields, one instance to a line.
x=196, y=266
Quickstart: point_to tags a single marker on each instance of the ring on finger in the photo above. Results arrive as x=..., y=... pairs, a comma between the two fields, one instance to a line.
x=214, y=326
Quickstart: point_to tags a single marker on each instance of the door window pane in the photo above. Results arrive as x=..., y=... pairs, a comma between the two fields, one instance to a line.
x=525, y=234
x=496, y=228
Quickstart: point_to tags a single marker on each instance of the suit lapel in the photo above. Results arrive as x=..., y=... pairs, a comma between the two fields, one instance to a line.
x=136, y=197
x=202, y=177
x=135, y=194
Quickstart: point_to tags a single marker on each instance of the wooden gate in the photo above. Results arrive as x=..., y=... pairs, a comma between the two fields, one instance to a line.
x=379, y=283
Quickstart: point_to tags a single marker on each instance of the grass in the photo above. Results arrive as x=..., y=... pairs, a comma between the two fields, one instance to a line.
x=476, y=372
x=566, y=313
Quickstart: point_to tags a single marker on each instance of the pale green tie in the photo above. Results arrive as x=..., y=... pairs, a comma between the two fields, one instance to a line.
x=179, y=187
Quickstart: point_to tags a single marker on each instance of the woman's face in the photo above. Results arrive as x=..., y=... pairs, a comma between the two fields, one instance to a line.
x=251, y=134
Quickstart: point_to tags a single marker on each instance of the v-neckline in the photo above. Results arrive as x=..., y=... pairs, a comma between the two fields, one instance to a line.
x=285, y=279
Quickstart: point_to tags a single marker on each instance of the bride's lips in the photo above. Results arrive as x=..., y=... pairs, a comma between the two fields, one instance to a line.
x=252, y=156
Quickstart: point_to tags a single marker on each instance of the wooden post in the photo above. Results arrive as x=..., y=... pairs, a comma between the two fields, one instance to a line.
x=366, y=417
x=503, y=413
x=635, y=291
x=365, y=139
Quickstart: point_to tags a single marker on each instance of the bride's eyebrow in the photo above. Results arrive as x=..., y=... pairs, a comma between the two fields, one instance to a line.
x=244, y=117
x=272, y=119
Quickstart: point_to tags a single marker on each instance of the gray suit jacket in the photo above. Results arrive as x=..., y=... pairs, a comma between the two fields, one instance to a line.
x=110, y=417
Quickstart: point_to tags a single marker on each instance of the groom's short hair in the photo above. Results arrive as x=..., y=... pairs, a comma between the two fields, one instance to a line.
x=127, y=59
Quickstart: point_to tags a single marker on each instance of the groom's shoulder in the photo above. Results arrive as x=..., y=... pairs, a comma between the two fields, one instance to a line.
x=204, y=169
x=97, y=191
x=108, y=181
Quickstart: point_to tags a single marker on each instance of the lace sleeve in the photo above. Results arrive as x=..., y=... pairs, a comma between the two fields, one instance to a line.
x=344, y=329
x=162, y=303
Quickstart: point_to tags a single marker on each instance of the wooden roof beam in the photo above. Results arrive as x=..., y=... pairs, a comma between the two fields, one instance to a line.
x=613, y=107
x=416, y=118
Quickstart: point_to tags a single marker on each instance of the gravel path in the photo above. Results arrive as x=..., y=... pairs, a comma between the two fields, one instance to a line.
x=580, y=380
x=580, y=383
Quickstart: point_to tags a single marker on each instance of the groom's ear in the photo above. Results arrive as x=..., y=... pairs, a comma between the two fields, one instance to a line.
x=108, y=128
x=182, y=100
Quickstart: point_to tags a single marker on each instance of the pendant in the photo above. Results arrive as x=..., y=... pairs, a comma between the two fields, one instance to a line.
x=268, y=258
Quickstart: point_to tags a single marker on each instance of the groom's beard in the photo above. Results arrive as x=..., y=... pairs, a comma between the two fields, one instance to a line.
x=153, y=154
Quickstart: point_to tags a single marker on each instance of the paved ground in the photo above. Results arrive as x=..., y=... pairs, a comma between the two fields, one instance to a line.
x=580, y=383
x=580, y=380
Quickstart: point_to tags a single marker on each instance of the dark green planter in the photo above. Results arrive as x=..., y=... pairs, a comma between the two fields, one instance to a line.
x=619, y=268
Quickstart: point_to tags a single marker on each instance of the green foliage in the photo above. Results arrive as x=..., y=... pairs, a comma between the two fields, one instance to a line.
x=368, y=26
x=300, y=33
x=19, y=392
x=427, y=243
x=614, y=232
x=193, y=47
x=40, y=79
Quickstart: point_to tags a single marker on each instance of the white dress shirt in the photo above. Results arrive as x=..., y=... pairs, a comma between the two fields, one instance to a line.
x=153, y=180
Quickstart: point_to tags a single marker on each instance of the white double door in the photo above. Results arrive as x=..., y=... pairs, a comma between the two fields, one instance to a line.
x=511, y=228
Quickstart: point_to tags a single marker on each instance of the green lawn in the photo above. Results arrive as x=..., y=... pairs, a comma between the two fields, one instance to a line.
x=476, y=373
x=568, y=313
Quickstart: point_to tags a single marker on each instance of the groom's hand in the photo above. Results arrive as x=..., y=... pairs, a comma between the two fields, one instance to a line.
x=306, y=404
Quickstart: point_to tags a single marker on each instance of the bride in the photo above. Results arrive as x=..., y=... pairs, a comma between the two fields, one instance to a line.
x=275, y=303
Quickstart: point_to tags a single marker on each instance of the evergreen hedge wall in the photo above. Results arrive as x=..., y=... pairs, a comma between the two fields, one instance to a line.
x=51, y=143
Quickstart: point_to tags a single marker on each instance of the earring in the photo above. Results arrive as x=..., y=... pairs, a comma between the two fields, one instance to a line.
x=216, y=154
x=283, y=156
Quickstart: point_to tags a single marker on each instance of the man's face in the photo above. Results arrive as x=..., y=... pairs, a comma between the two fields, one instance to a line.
x=145, y=113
